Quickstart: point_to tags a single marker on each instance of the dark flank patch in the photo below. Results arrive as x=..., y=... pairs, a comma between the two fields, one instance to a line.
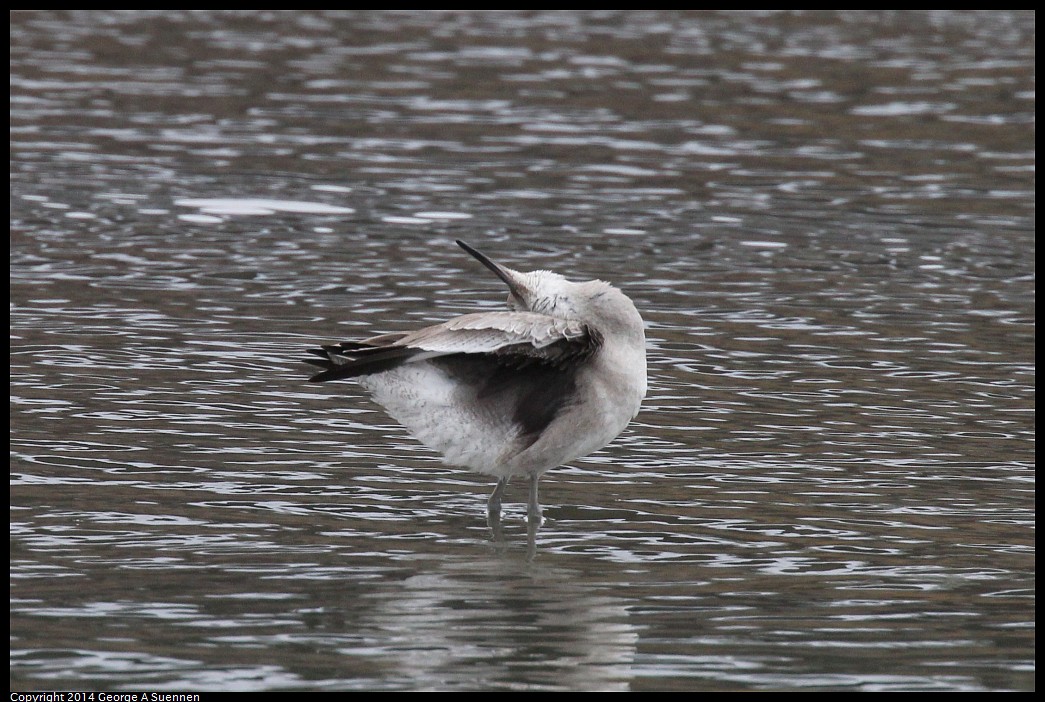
x=531, y=396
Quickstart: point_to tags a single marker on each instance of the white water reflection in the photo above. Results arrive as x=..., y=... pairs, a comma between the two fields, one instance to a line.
x=259, y=206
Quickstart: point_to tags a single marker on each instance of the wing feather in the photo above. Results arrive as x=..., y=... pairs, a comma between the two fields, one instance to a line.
x=512, y=339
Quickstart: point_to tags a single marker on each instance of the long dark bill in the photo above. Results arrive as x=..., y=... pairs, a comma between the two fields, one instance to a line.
x=501, y=273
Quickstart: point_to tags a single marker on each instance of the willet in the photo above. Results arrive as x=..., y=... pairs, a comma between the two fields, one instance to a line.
x=513, y=393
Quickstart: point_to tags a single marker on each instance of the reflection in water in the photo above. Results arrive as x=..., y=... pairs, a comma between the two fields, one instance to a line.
x=827, y=220
x=491, y=624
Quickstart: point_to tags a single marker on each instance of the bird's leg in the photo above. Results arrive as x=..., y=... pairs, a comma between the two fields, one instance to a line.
x=533, y=519
x=533, y=512
x=493, y=507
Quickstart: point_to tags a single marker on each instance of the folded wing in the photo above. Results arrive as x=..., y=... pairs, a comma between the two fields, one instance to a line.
x=514, y=340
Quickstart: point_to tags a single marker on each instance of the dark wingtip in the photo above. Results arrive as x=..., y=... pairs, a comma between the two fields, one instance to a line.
x=351, y=360
x=323, y=377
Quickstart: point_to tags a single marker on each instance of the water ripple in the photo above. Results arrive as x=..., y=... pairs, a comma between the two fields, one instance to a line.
x=832, y=475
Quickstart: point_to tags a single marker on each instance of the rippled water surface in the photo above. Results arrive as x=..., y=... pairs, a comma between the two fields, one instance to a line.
x=826, y=219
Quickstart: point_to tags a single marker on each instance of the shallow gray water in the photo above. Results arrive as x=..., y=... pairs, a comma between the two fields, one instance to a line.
x=826, y=219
